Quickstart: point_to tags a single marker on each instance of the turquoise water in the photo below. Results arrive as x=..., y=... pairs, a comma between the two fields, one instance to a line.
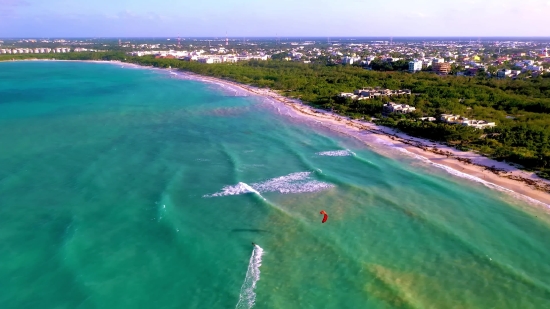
x=126, y=188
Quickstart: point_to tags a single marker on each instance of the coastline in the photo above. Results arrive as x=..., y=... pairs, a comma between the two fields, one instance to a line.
x=465, y=164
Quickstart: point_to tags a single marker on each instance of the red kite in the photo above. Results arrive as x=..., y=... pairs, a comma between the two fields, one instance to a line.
x=325, y=216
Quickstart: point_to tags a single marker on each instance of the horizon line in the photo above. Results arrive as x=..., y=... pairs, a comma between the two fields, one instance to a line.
x=267, y=37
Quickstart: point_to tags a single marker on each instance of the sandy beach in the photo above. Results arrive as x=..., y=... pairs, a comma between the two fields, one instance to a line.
x=466, y=164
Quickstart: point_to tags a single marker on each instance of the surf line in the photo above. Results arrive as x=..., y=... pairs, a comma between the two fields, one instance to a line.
x=247, y=298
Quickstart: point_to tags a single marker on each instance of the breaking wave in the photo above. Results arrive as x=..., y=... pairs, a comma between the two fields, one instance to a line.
x=247, y=297
x=240, y=188
x=336, y=153
x=300, y=182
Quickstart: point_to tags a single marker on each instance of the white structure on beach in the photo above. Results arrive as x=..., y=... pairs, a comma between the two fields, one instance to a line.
x=478, y=124
x=348, y=95
x=427, y=119
x=392, y=107
x=370, y=93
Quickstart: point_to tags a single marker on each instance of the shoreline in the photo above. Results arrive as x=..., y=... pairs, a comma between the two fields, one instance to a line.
x=491, y=173
x=464, y=164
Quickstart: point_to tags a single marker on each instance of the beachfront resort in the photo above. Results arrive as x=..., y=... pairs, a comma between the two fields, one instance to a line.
x=371, y=93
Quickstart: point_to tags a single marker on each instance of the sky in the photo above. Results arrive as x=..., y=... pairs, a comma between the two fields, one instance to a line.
x=270, y=18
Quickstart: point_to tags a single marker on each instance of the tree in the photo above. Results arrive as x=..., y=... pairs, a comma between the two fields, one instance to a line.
x=481, y=73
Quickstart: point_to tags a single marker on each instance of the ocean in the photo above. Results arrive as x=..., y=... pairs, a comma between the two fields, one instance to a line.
x=124, y=187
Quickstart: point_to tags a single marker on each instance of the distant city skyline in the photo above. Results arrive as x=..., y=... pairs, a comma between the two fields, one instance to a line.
x=284, y=18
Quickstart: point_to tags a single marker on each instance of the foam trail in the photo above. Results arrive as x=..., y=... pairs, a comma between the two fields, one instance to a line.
x=247, y=297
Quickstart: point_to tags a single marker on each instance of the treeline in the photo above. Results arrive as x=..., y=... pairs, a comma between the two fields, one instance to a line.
x=521, y=108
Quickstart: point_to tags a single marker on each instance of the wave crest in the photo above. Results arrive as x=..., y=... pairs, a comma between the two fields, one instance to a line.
x=300, y=182
x=336, y=153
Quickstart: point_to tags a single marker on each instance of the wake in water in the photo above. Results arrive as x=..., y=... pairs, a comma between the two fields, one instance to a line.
x=300, y=182
x=247, y=298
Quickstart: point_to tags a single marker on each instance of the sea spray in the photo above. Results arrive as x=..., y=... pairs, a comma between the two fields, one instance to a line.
x=300, y=182
x=336, y=153
x=237, y=189
x=247, y=297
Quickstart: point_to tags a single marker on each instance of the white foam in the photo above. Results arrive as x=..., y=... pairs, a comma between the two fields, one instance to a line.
x=240, y=188
x=247, y=297
x=336, y=153
x=300, y=182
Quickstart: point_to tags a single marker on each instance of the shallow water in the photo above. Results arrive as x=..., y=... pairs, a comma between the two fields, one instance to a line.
x=127, y=188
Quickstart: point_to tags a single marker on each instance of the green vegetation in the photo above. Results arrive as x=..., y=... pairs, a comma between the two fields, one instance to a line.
x=519, y=107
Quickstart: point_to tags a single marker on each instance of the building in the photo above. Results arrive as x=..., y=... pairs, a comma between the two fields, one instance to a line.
x=347, y=60
x=427, y=119
x=392, y=107
x=503, y=73
x=456, y=119
x=371, y=93
x=415, y=66
x=348, y=95
x=210, y=60
x=478, y=124
x=449, y=118
x=441, y=67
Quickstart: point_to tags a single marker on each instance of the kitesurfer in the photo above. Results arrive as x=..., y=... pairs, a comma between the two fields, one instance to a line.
x=253, y=244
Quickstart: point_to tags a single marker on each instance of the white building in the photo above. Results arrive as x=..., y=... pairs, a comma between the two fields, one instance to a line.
x=210, y=60
x=391, y=107
x=348, y=95
x=347, y=60
x=456, y=119
x=503, y=73
x=427, y=119
x=415, y=66
x=478, y=124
